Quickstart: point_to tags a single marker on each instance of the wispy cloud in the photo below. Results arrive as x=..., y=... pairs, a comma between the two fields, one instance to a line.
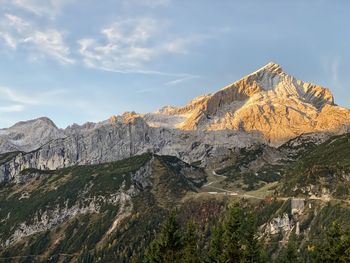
x=18, y=33
x=128, y=46
x=149, y=3
x=181, y=80
x=16, y=97
x=50, y=9
x=17, y=101
x=11, y=108
x=122, y=47
x=181, y=45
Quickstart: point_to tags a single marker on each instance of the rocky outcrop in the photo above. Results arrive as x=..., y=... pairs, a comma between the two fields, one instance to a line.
x=268, y=101
x=85, y=199
x=111, y=141
x=29, y=135
x=266, y=107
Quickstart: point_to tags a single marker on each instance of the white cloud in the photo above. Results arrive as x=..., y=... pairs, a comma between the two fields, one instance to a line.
x=128, y=46
x=50, y=9
x=11, y=108
x=22, y=99
x=331, y=66
x=18, y=33
x=149, y=3
x=124, y=46
x=13, y=96
x=181, y=80
x=181, y=45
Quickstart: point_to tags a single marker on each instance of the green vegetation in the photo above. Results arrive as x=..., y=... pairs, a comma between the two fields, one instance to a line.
x=327, y=166
x=333, y=245
x=233, y=239
x=205, y=228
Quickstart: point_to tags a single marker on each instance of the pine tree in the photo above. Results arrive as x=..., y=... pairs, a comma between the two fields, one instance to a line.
x=190, y=242
x=232, y=236
x=290, y=253
x=166, y=247
x=334, y=246
x=234, y=239
x=216, y=245
x=253, y=252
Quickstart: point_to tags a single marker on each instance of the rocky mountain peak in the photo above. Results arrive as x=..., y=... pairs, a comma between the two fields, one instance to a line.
x=35, y=122
x=29, y=135
x=270, y=67
x=269, y=101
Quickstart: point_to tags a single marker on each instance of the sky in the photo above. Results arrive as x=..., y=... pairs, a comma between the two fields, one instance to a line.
x=77, y=61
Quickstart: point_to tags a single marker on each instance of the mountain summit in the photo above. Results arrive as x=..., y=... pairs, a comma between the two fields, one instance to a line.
x=266, y=107
x=268, y=101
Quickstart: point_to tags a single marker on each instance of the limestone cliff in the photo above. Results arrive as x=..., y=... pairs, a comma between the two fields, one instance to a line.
x=268, y=101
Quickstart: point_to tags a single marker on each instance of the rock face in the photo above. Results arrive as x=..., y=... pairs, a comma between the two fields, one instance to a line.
x=268, y=101
x=266, y=107
x=28, y=136
x=122, y=138
x=96, y=190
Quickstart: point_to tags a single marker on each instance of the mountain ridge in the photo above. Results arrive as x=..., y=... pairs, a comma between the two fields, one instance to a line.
x=267, y=106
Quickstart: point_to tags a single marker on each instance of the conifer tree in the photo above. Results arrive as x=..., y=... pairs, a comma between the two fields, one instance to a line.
x=232, y=236
x=290, y=253
x=334, y=246
x=166, y=247
x=253, y=252
x=190, y=243
x=215, y=245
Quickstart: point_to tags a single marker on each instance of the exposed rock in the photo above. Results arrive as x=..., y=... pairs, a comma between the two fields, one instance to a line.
x=115, y=141
x=297, y=206
x=28, y=136
x=266, y=107
x=268, y=101
x=281, y=223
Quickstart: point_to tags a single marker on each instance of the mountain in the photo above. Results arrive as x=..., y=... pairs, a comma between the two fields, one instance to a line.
x=53, y=209
x=126, y=136
x=267, y=107
x=28, y=135
x=268, y=101
x=276, y=146
x=111, y=212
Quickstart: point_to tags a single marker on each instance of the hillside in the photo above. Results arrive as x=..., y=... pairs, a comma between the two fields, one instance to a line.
x=87, y=207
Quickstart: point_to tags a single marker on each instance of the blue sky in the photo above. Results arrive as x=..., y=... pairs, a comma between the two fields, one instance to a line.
x=77, y=61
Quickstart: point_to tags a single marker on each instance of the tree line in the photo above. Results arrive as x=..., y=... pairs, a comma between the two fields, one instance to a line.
x=234, y=239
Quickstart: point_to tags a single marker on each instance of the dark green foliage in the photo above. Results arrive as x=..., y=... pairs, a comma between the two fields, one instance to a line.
x=253, y=252
x=251, y=180
x=167, y=246
x=333, y=246
x=234, y=239
x=216, y=245
x=190, y=252
x=290, y=253
x=325, y=166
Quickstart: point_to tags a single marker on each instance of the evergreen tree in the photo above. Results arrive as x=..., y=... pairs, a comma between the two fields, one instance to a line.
x=234, y=239
x=334, y=246
x=232, y=236
x=166, y=247
x=216, y=245
x=253, y=252
x=190, y=241
x=290, y=253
